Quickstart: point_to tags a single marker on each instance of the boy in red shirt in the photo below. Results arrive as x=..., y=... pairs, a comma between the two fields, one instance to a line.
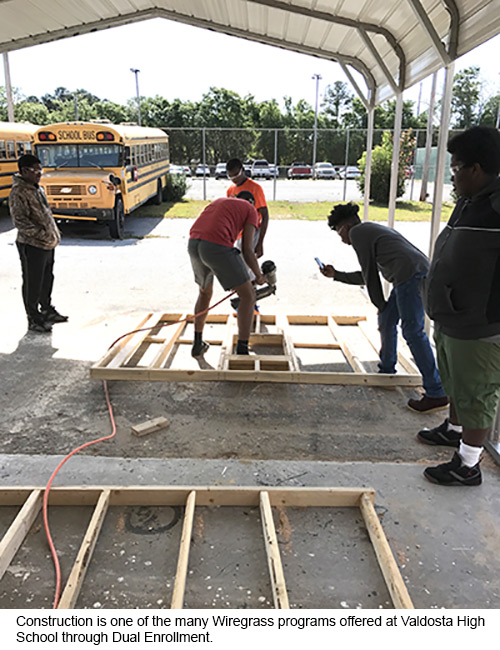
x=212, y=252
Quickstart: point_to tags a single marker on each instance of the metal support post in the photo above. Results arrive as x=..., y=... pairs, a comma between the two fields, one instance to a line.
x=368, y=166
x=346, y=164
x=315, y=136
x=396, y=148
x=441, y=156
x=8, y=87
x=428, y=140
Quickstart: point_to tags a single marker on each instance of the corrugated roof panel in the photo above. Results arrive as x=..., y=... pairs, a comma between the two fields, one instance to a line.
x=293, y=24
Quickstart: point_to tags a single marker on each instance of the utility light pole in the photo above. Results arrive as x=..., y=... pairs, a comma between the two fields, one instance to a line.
x=136, y=72
x=315, y=138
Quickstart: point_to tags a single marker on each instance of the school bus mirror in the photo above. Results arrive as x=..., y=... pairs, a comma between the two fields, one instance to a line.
x=115, y=180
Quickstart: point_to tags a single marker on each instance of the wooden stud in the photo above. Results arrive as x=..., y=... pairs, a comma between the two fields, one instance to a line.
x=134, y=342
x=150, y=426
x=280, y=596
x=82, y=562
x=183, y=559
x=288, y=347
x=407, y=364
x=169, y=343
x=19, y=528
x=387, y=563
x=352, y=359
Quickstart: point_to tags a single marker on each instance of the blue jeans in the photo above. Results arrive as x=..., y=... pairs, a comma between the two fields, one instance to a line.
x=405, y=305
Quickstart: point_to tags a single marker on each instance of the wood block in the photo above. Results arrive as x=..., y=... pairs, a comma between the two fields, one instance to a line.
x=150, y=426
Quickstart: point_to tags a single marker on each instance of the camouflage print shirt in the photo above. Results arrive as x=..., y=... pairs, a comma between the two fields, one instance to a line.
x=32, y=215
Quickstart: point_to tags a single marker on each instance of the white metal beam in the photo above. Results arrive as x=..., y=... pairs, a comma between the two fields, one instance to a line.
x=380, y=61
x=368, y=166
x=396, y=147
x=428, y=27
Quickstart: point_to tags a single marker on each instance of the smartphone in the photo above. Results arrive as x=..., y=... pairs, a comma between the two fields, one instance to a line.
x=319, y=263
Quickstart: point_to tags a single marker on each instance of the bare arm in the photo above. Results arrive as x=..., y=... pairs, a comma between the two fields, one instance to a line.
x=264, y=213
x=249, y=254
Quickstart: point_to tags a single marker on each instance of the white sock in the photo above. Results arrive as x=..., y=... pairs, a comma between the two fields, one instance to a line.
x=469, y=455
x=454, y=427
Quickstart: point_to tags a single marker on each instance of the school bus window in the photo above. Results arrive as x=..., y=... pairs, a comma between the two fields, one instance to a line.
x=79, y=155
x=127, y=157
x=3, y=150
x=27, y=147
x=11, y=149
x=19, y=149
x=150, y=152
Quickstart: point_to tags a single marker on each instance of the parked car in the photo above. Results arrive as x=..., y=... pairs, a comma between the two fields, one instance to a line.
x=325, y=170
x=220, y=171
x=274, y=171
x=176, y=170
x=260, y=169
x=300, y=170
x=202, y=170
x=187, y=170
x=248, y=169
x=352, y=173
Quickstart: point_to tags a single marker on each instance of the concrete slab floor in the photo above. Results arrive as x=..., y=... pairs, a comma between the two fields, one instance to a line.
x=445, y=540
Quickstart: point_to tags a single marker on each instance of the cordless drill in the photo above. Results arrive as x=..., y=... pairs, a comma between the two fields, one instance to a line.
x=268, y=269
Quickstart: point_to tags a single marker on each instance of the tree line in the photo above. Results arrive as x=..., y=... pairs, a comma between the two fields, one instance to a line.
x=241, y=126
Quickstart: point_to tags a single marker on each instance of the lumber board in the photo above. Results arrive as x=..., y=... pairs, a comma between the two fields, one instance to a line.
x=183, y=558
x=156, y=424
x=167, y=346
x=276, y=574
x=84, y=557
x=227, y=345
x=288, y=377
x=206, y=495
x=19, y=528
x=288, y=345
x=395, y=584
x=134, y=342
x=352, y=359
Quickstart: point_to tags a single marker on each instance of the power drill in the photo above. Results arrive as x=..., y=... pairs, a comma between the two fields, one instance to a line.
x=268, y=269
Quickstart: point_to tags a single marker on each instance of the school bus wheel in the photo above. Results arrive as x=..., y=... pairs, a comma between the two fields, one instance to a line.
x=116, y=226
x=159, y=194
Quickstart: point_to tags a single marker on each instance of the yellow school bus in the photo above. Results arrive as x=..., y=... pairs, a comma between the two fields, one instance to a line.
x=100, y=171
x=15, y=140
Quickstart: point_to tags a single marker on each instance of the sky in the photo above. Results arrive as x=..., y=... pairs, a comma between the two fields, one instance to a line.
x=180, y=61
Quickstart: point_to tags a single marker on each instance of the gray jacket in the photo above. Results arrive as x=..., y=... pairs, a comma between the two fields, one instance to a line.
x=382, y=249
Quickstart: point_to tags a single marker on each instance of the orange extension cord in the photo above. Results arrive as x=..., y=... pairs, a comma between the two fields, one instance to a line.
x=53, y=551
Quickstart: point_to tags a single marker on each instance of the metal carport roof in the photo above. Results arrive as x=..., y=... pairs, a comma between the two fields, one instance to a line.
x=393, y=44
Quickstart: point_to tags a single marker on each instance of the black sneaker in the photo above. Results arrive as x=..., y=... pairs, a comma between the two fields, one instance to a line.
x=454, y=473
x=40, y=326
x=51, y=315
x=199, y=348
x=440, y=436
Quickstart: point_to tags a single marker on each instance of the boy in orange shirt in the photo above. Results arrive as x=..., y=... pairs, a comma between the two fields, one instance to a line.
x=236, y=174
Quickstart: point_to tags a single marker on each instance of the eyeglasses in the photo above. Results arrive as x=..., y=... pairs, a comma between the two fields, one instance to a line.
x=456, y=168
x=34, y=170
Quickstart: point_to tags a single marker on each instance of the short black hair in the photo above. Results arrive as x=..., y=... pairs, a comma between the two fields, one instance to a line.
x=246, y=196
x=342, y=212
x=481, y=145
x=234, y=164
x=27, y=160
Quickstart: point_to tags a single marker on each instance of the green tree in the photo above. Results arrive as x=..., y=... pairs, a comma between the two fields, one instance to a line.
x=337, y=100
x=490, y=112
x=381, y=166
x=465, y=100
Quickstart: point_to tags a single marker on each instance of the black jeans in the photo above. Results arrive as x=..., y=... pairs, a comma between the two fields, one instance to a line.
x=38, y=279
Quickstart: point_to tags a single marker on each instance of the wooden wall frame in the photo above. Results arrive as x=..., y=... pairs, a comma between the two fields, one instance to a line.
x=163, y=337
x=104, y=497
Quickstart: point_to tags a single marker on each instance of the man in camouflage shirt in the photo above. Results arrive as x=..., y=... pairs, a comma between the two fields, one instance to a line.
x=37, y=238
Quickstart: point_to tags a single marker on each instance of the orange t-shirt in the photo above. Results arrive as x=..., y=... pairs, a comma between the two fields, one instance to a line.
x=254, y=188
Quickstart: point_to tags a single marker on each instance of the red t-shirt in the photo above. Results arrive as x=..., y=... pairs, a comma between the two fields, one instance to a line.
x=222, y=220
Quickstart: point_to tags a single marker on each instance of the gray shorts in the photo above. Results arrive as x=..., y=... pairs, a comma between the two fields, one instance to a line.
x=208, y=259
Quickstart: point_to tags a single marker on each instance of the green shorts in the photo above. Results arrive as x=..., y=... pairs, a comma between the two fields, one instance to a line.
x=470, y=373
